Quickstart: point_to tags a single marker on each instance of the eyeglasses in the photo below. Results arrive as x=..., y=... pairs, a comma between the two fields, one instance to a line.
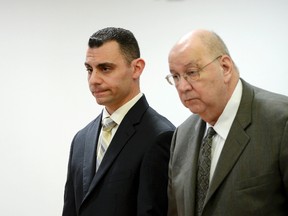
x=189, y=76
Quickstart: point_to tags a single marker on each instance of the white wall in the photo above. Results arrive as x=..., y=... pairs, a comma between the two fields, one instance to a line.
x=44, y=95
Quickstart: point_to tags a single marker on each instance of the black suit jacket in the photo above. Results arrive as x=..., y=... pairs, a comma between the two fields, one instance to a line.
x=132, y=178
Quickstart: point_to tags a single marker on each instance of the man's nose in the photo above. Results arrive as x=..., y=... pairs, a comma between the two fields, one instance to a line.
x=94, y=77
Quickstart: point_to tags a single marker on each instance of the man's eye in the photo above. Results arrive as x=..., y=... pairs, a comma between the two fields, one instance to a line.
x=105, y=69
x=175, y=77
x=89, y=70
x=191, y=73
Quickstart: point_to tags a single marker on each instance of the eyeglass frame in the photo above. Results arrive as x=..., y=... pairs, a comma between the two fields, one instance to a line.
x=188, y=77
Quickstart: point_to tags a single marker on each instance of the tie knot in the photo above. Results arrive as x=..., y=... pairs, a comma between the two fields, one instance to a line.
x=210, y=133
x=108, y=124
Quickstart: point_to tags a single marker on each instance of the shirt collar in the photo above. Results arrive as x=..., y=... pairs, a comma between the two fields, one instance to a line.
x=120, y=113
x=224, y=123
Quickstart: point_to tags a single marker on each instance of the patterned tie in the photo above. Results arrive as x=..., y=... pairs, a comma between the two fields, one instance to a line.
x=104, y=140
x=204, y=170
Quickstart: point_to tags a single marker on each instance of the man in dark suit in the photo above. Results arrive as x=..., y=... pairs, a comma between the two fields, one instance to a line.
x=247, y=158
x=132, y=177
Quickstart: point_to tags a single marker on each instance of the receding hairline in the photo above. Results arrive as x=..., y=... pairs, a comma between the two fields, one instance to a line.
x=211, y=42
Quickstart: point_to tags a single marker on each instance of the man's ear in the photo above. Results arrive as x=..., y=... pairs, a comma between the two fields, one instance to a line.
x=138, y=67
x=227, y=65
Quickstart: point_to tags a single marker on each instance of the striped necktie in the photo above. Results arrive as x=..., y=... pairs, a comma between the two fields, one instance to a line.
x=104, y=140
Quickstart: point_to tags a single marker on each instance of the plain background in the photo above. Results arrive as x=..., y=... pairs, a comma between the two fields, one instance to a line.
x=44, y=94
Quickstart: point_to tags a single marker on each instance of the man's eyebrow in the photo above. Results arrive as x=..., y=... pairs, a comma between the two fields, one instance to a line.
x=104, y=64
x=86, y=64
x=192, y=64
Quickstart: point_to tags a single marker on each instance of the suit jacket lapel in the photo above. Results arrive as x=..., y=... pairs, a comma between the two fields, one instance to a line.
x=124, y=132
x=236, y=141
x=196, y=136
x=89, y=163
x=117, y=143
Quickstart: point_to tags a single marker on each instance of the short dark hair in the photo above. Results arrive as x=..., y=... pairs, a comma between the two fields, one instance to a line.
x=125, y=38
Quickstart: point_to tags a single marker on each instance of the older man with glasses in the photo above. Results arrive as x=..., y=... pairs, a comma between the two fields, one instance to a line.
x=240, y=167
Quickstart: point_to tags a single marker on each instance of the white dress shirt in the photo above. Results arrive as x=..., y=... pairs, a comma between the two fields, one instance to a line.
x=119, y=114
x=223, y=125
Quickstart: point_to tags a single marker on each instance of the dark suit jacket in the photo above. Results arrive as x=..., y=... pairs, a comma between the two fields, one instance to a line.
x=132, y=178
x=251, y=177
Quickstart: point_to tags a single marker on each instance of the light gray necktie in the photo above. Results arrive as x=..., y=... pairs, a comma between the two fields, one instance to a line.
x=104, y=140
x=203, y=174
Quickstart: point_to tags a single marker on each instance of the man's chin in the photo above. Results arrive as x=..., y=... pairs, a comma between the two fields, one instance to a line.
x=194, y=109
x=100, y=101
